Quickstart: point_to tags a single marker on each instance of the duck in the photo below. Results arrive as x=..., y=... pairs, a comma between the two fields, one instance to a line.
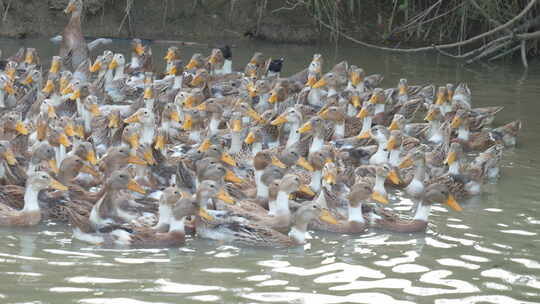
x=110, y=209
x=73, y=43
x=435, y=193
x=174, y=236
x=30, y=215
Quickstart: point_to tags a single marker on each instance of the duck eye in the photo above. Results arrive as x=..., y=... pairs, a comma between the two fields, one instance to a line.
x=211, y=186
x=314, y=207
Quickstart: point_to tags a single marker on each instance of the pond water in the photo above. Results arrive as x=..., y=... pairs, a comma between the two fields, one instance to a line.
x=488, y=253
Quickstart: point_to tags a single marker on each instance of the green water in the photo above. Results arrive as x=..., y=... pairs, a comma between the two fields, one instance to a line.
x=486, y=254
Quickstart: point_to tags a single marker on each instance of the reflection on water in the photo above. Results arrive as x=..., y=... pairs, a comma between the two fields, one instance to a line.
x=487, y=254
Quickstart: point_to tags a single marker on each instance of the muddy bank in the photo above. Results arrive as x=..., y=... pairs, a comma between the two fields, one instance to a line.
x=162, y=19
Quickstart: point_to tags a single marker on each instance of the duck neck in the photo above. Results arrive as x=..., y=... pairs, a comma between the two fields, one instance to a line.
x=109, y=76
x=214, y=124
x=60, y=153
x=31, y=202
x=380, y=156
x=119, y=72
x=315, y=183
x=165, y=215
x=236, y=143
x=2, y=98
x=294, y=135
x=351, y=110
x=87, y=119
x=379, y=108
x=422, y=212
x=316, y=144
x=227, y=66
x=355, y=214
x=147, y=134
x=178, y=81
x=298, y=232
x=282, y=204
x=195, y=135
x=379, y=185
x=339, y=131
x=177, y=225
x=463, y=133
x=135, y=62
x=454, y=168
x=314, y=97
x=394, y=158
x=366, y=124
x=435, y=131
x=256, y=148
x=262, y=189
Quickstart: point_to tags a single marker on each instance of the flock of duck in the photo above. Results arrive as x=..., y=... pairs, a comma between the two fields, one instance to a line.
x=131, y=156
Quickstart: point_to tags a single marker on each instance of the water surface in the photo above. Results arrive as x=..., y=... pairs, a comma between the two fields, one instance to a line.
x=486, y=254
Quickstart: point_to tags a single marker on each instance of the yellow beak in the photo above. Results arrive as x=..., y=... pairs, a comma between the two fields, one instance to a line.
x=29, y=59
x=95, y=67
x=225, y=197
x=452, y=203
x=175, y=117
x=188, y=123
x=440, y=99
x=430, y=115
x=379, y=198
x=64, y=140
x=49, y=87
x=134, y=141
x=79, y=131
x=278, y=163
x=197, y=80
x=134, y=186
x=113, y=64
x=53, y=166
x=8, y=87
x=113, y=121
x=374, y=99
x=236, y=125
x=91, y=157
x=133, y=118
x=451, y=158
x=356, y=101
x=226, y=158
x=406, y=163
x=205, y=215
x=57, y=185
x=68, y=129
x=191, y=64
x=391, y=144
x=456, y=122
x=273, y=98
x=363, y=113
x=250, y=138
x=213, y=59
x=231, y=177
x=319, y=84
x=133, y=159
x=94, y=109
x=28, y=80
x=392, y=175
x=327, y=217
x=281, y=119
x=21, y=128
x=364, y=135
x=149, y=157
x=330, y=178
x=402, y=90
x=10, y=157
x=302, y=162
x=139, y=49
x=305, y=128
x=160, y=143
x=205, y=145
x=393, y=125
x=90, y=170
x=70, y=8
x=254, y=115
x=148, y=93
x=311, y=81
x=172, y=71
x=75, y=95
x=306, y=190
